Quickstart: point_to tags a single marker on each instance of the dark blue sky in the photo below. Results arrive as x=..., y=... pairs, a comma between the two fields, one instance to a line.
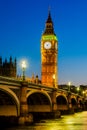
x=22, y=23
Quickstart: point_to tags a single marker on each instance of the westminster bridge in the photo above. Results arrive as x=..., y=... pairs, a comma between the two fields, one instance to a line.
x=23, y=99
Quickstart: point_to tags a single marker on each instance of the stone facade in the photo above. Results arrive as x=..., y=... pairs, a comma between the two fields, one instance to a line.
x=8, y=68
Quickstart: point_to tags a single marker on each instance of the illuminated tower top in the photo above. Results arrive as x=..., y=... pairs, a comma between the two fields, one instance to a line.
x=49, y=33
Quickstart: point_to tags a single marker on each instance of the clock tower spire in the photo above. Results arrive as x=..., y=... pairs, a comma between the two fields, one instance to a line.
x=49, y=51
x=49, y=25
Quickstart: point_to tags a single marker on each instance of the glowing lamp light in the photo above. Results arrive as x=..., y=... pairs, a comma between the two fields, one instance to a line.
x=69, y=84
x=53, y=76
x=83, y=92
x=23, y=64
x=78, y=88
x=53, y=80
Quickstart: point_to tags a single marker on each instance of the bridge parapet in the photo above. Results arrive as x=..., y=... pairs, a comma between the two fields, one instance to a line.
x=9, y=81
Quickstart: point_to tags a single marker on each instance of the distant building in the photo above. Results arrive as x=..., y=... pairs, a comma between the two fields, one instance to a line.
x=83, y=90
x=8, y=69
x=83, y=87
x=72, y=88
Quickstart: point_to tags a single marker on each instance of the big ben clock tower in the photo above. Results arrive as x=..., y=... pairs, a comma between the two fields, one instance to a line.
x=49, y=51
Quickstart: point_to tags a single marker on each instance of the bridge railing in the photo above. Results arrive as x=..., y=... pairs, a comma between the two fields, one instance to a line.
x=75, y=94
x=9, y=81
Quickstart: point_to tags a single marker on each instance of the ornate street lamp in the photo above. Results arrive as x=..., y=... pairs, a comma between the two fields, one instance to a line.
x=23, y=68
x=69, y=84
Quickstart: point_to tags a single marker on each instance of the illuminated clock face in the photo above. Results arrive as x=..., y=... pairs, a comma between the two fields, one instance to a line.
x=47, y=45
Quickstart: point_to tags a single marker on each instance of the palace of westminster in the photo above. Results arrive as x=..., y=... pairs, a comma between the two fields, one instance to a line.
x=49, y=59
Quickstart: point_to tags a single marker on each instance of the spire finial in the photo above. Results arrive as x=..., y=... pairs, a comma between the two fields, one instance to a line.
x=49, y=16
x=49, y=8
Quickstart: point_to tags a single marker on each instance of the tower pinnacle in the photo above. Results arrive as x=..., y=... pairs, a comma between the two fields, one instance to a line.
x=49, y=20
x=49, y=25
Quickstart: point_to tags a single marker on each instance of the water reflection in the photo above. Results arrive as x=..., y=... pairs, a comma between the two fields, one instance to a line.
x=76, y=121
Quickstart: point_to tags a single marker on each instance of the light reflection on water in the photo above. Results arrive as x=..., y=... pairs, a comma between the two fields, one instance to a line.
x=76, y=121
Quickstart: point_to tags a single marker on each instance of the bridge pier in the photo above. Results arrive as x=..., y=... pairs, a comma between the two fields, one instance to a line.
x=80, y=106
x=55, y=113
x=70, y=108
x=25, y=117
x=54, y=103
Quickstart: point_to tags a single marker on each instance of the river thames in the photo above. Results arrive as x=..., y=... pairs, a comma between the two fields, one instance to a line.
x=77, y=121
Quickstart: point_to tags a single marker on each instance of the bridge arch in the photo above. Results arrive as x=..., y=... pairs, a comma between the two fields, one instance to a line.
x=73, y=101
x=62, y=103
x=38, y=97
x=61, y=99
x=9, y=95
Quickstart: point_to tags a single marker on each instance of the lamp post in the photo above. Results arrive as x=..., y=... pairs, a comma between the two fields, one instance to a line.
x=83, y=92
x=69, y=84
x=23, y=68
x=69, y=97
x=78, y=90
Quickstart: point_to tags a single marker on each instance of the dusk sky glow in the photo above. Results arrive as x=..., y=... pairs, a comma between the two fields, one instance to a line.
x=22, y=23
